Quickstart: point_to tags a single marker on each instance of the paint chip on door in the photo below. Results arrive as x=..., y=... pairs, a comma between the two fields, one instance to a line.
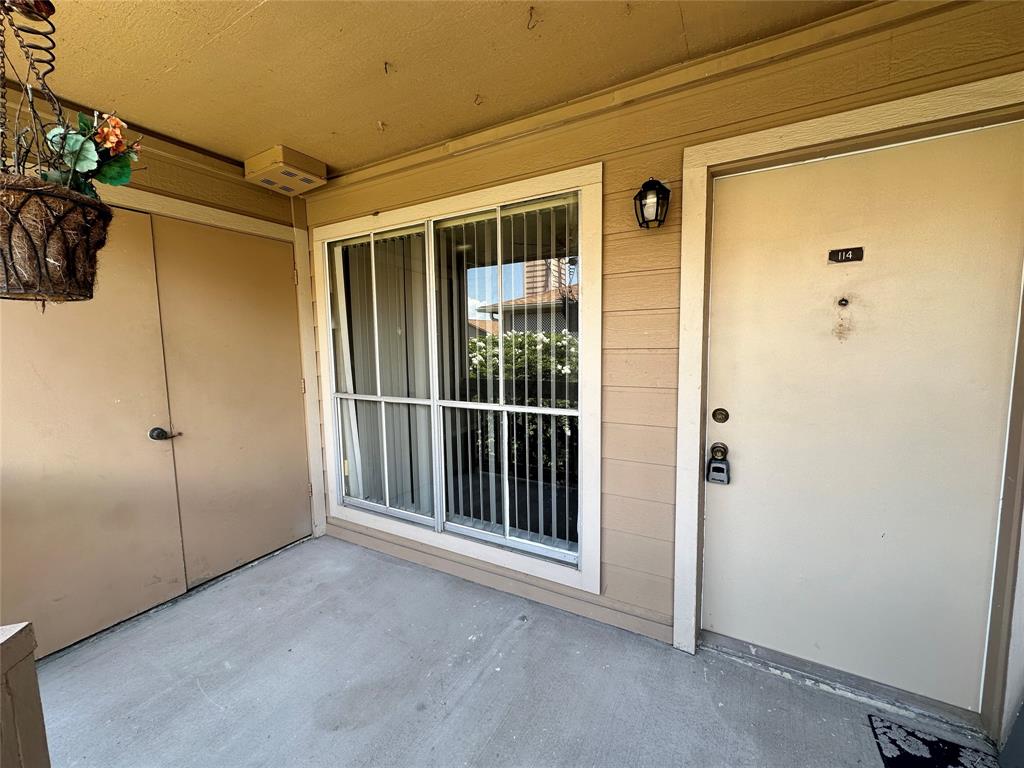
x=844, y=255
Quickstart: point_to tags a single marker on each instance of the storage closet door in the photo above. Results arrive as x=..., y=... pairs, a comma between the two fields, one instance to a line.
x=231, y=340
x=89, y=515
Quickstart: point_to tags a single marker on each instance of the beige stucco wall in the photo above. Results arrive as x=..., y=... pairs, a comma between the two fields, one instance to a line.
x=844, y=66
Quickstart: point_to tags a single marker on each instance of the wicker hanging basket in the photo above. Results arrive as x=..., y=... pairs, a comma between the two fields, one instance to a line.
x=49, y=237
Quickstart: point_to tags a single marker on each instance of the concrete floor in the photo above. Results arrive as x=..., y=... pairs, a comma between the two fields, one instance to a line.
x=329, y=654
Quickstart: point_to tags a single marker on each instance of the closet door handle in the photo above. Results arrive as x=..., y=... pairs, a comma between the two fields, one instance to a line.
x=159, y=433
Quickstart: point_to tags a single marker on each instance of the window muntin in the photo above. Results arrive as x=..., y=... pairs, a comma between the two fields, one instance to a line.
x=502, y=286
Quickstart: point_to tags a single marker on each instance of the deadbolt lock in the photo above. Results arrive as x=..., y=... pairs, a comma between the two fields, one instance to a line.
x=718, y=464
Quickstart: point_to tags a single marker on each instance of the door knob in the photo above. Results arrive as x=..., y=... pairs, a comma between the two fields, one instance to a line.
x=159, y=433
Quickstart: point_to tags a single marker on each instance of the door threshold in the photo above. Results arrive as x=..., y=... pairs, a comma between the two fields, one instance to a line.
x=948, y=718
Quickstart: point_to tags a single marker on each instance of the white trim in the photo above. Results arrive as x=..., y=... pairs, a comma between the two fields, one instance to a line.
x=698, y=167
x=587, y=181
x=693, y=298
x=311, y=396
x=468, y=202
x=150, y=202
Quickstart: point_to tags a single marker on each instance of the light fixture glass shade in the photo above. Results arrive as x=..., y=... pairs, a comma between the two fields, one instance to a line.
x=651, y=204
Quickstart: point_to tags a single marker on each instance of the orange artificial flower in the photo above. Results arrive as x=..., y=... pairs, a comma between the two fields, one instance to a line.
x=109, y=136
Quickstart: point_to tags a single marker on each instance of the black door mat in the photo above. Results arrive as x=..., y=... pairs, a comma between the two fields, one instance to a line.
x=903, y=747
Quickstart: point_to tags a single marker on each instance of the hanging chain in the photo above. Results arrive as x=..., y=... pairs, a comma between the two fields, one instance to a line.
x=28, y=19
x=45, y=47
x=3, y=89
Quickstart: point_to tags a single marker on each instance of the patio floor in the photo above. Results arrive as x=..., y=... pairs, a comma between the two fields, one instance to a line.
x=328, y=654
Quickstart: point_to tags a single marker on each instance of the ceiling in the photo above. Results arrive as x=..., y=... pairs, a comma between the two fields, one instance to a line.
x=355, y=82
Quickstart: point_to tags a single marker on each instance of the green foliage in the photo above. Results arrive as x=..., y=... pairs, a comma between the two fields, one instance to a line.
x=78, y=153
x=91, y=153
x=116, y=172
x=550, y=354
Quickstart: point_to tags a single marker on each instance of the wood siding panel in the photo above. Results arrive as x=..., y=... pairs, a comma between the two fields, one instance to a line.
x=636, y=480
x=626, y=172
x=654, y=519
x=629, y=442
x=629, y=405
x=645, y=290
x=637, y=553
x=644, y=590
x=644, y=329
x=640, y=368
x=642, y=250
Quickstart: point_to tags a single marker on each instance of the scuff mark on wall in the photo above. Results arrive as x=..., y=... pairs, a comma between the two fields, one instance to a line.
x=843, y=326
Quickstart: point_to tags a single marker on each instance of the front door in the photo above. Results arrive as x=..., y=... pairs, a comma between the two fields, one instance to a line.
x=867, y=404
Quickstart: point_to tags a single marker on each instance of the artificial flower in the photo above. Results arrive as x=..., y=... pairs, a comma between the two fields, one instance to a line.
x=109, y=135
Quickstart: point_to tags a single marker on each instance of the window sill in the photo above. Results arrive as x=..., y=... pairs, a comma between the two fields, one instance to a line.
x=585, y=577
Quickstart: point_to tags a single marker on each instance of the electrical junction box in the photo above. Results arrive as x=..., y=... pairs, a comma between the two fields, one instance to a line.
x=285, y=170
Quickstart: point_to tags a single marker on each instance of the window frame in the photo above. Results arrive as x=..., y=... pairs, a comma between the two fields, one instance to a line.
x=587, y=182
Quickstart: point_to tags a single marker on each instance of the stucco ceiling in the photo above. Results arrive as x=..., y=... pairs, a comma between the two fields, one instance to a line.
x=355, y=82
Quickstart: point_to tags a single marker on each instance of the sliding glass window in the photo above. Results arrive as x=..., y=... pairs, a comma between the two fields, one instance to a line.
x=382, y=372
x=457, y=406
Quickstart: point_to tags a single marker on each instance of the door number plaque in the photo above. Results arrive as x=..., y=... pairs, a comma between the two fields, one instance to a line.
x=844, y=255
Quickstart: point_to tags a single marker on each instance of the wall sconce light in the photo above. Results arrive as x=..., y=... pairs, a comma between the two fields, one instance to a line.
x=651, y=204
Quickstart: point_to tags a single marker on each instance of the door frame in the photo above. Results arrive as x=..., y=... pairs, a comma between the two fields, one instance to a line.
x=964, y=107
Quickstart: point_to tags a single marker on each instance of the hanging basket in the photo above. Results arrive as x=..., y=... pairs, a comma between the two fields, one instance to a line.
x=49, y=238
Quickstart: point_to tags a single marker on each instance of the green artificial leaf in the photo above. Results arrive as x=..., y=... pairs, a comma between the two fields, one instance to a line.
x=78, y=152
x=54, y=137
x=85, y=126
x=57, y=177
x=115, y=172
x=87, y=189
x=84, y=156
